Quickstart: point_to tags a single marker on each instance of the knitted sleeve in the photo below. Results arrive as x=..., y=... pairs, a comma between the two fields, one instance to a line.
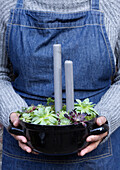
x=109, y=105
x=9, y=100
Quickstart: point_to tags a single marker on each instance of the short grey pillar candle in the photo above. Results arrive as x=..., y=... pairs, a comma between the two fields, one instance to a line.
x=57, y=76
x=69, y=85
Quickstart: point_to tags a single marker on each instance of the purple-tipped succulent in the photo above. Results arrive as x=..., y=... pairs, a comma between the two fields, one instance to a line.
x=75, y=117
x=31, y=109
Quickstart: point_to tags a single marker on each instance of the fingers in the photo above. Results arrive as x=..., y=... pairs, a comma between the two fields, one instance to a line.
x=95, y=138
x=20, y=138
x=101, y=120
x=24, y=147
x=21, y=141
x=89, y=148
x=14, y=119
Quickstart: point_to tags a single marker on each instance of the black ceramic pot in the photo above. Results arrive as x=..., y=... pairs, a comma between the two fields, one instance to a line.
x=63, y=139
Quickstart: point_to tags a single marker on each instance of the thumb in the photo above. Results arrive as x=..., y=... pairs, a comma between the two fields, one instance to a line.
x=101, y=120
x=14, y=117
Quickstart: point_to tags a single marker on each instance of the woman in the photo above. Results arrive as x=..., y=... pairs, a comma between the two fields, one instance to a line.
x=27, y=39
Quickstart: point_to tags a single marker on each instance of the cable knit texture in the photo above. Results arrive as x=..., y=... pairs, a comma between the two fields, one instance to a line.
x=109, y=106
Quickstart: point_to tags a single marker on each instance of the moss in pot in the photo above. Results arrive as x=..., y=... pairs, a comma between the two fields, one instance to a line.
x=66, y=131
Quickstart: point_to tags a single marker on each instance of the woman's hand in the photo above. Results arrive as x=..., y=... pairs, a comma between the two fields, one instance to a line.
x=21, y=139
x=94, y=139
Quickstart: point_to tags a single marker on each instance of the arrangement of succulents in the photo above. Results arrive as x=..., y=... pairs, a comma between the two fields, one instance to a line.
x=46, y=115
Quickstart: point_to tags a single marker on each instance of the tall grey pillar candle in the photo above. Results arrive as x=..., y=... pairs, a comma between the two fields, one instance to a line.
x=57, y=76
x=69, y=85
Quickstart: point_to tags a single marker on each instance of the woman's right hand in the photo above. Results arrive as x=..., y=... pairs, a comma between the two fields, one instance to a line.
x=21, y=139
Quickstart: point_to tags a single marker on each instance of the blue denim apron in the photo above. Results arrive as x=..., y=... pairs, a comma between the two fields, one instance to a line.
x=30, y=37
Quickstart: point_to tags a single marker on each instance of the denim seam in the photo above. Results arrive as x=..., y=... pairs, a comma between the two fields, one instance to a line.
x=10, y=26
x=106, y=46
x=7, y=32
x=108, y=154
x=57, y=161
x=56, y=27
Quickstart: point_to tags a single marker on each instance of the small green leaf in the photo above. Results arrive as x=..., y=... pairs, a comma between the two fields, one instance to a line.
x=37, y=121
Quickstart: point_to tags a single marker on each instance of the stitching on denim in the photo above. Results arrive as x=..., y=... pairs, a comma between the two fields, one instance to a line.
x=91, y=5
x=56, y=27
x=108, y=154
x=107, y=47
x=110, y=146
x=57, y=161
x=9, y=32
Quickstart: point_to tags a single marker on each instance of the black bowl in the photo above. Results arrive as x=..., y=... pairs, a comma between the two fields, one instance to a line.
x=60, y=139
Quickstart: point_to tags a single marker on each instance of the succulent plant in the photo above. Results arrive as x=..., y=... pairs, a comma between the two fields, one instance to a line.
x=75, y=117
x=62, y=119
x=45, y=115
x=39, y=115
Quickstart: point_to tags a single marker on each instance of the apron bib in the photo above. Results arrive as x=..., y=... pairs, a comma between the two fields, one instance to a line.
x=30, y=37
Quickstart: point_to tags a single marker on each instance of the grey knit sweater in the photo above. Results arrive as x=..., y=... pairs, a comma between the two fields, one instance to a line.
x=109, y=106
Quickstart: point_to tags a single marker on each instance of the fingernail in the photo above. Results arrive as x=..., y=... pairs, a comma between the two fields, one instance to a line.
x=100, y=122
x=28, y=150
x=24, y=141
x=88, y=139
x=15, y=122
x=81, y=153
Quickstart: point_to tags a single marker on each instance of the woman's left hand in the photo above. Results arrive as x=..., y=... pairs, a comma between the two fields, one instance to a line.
x=94, y=139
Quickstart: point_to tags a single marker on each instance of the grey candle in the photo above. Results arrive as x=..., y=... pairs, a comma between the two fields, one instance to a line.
x=57, y=77
x=69, y=85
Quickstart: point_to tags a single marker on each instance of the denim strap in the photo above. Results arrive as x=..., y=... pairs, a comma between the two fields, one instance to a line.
x=95, y=4
x=19, y=4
